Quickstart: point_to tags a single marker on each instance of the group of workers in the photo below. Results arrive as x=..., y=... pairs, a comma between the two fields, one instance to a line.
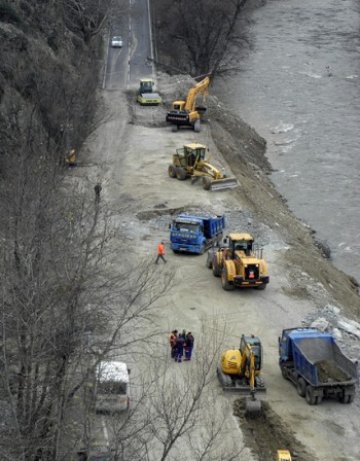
x=181, y=345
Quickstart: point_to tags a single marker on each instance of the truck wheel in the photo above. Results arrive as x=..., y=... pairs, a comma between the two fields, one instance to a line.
x=301, y=387
x=225, y=282
x=174, y=128
x=309, y=396
x=347, y=398
x=197, y=126
x=172, y=171
x=180, y=173
x=215, y=267
x=284, y=373
x=206, y=183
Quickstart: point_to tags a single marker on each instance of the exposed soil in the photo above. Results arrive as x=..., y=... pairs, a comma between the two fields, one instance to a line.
x=267, y=433
x=330, y=372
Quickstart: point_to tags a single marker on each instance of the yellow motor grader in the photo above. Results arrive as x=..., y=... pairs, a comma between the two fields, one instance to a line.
x=189, y=162
x=239, y=263
x=239, y=371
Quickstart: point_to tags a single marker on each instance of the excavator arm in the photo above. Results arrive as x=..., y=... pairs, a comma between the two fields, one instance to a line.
x=253, y=406
x=200, y=88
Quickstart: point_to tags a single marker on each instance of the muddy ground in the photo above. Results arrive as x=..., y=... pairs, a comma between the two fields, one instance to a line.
x=268, y=433
x=136, y=147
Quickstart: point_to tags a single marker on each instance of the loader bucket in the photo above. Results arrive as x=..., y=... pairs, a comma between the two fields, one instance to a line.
x=252, y=407
x=226, y=183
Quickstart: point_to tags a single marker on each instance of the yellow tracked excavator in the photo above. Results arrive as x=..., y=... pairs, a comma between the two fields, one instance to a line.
x=187, y=113
x=239, y=371
x=190, y=162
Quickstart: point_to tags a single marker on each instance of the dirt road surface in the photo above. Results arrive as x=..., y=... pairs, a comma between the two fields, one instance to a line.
x=129, y=154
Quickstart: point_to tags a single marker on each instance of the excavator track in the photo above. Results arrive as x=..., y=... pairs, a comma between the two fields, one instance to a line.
x=234, y=385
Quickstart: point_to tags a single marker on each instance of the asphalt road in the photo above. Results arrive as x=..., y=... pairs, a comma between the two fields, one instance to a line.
x=125, y=66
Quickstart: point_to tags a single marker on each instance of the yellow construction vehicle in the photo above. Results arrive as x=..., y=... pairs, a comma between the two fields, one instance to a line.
x=190, y=162
x=239, y=371
x=283, y=455
x=239, y=263
x=146, y=95
x=187, y=113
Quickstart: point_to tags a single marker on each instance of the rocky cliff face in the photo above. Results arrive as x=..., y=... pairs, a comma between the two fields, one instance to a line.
x=49, y=65
x=49, y=61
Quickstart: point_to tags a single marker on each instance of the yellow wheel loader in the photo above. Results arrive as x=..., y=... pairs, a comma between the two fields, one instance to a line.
x=190, y=162
x=239, y=371
x=187, y=113
x=239, y=263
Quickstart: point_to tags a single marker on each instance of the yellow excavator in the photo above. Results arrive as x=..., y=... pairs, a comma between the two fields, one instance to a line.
x=187, y=113
x=239, y=263
x=239, y=371
x=189, y=162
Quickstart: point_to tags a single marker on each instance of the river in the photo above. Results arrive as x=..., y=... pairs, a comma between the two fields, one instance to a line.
x=299, y=88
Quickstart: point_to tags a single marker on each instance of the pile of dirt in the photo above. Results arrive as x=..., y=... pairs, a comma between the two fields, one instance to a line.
x=329, y=372
x=267, y=434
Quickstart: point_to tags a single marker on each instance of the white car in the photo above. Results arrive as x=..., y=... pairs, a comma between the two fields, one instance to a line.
x=117, y=42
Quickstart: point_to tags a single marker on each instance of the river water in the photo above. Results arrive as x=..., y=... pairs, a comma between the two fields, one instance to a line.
x=299, y=87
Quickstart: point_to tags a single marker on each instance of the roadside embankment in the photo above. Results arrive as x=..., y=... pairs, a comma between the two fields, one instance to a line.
x=244, y=151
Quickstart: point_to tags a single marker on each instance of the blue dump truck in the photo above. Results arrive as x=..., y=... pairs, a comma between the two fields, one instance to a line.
x=312, y=360
x=194, y=233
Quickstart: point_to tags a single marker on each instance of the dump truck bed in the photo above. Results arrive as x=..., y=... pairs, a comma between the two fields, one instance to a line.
x=321, y=362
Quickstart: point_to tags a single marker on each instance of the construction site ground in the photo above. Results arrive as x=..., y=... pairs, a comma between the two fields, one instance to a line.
x=129, y=154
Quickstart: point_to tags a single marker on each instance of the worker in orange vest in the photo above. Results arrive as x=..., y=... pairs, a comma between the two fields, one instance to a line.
x=160, y=252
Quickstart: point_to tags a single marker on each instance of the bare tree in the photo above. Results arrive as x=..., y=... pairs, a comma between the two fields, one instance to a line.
x=59, y=288
x=201, y=35
x=179, y=416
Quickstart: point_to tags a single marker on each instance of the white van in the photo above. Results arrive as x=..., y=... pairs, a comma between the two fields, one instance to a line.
x=112, y=387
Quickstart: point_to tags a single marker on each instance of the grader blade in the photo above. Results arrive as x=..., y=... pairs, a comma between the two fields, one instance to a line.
x=226, y=183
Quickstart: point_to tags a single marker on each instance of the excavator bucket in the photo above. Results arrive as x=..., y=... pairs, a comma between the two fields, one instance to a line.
x=253, y=407
x=226, y=183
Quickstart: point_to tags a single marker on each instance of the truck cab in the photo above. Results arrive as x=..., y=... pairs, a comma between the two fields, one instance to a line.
x=193, y=233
